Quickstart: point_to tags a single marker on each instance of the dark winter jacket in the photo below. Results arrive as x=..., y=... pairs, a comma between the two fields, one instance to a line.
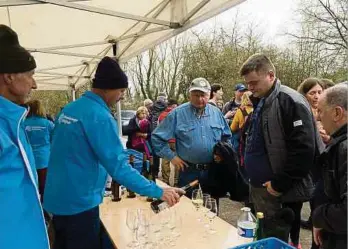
x=230, y=106
x=156, y=110
x=332, y=216
x=291, y=140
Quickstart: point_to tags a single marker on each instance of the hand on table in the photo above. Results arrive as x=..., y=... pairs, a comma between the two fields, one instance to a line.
x=172, y=195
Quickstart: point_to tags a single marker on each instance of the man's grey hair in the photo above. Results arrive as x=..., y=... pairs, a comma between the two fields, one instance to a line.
x=337, y=96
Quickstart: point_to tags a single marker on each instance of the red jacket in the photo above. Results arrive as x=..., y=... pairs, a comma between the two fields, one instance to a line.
x=162, y=116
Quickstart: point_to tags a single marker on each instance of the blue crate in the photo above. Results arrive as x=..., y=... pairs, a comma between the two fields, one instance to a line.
x=138, y=155
x=269, y=243
x=138, y=158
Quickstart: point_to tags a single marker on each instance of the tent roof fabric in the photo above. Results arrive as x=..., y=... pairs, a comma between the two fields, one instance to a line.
x=68, y=38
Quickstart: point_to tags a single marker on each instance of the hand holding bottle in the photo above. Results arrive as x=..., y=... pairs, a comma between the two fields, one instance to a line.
x=172, y=195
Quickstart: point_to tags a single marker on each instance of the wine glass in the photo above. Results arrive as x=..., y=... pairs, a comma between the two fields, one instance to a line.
x=132, y=222
x=172, y=225
x=197, y=199
x=144, y=225
x=211, y=206
x=205, y=198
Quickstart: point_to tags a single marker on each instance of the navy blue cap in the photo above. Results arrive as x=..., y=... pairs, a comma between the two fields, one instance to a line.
x=240, y=87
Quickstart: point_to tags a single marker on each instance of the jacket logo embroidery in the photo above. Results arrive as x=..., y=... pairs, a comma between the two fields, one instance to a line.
x=298, y=123
x=63, y=119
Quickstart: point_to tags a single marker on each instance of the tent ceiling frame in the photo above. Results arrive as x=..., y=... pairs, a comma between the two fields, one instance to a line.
x=156, y=13
x=110, y=39
x=164, y=2
x=66, y=75
x=91, y=70
x=189, y=24
x=66, y=66
x=39, y=50
x=9, y=3
x=80, y=45
x=198, y=7
x=109, y=12
x=142, y=23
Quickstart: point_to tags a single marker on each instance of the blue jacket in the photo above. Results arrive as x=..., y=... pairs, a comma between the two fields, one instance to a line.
x=22, y=222
x=39, y=132
x=195, y=136
x=85, y=147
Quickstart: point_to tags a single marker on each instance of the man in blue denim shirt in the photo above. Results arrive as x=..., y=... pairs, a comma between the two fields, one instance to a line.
x=197, y=127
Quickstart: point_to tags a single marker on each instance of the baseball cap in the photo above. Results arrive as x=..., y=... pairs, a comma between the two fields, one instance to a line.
x=200, y=84
x=240, y=87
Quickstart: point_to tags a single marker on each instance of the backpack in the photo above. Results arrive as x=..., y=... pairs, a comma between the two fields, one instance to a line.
x=242, y=137
x=237, y=136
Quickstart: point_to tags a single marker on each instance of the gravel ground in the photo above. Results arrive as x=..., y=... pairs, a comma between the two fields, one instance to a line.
x=230, y=210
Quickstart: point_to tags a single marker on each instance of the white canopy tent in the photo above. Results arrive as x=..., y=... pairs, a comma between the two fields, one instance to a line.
x=68, y=38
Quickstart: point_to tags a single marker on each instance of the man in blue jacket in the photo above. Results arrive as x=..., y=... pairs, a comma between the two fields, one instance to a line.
x=85, y=148
x=22, y=222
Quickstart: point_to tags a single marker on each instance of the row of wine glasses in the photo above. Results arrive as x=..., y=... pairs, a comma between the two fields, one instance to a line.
x=153, y=230
x=209, y=204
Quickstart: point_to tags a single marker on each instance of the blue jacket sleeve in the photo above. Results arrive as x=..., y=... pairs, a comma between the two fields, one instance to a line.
x=103, y=137
x=226, y=131
x=160, y=136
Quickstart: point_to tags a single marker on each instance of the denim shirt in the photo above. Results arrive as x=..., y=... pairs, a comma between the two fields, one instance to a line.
x=195, y=135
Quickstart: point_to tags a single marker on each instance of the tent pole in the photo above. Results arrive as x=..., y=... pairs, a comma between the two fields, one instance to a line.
x=118, y=104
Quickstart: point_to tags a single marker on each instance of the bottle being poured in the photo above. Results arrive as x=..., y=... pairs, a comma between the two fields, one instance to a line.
x=159, y=205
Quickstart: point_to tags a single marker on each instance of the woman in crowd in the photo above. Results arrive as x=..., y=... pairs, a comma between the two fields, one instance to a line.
x=39, y=130
x=312, y=88
x=216, y=94
x=138, y=131
x=242, y=113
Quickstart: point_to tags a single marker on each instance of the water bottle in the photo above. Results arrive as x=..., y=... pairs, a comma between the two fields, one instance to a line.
x=246, y=224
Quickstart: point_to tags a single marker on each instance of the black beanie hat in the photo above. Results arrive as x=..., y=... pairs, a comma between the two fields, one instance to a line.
x=13, y=57
x=109, y=75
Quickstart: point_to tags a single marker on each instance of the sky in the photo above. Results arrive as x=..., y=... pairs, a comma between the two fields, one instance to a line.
x=273, y=17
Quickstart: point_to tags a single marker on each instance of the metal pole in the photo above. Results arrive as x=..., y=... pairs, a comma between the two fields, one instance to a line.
x=118, y=104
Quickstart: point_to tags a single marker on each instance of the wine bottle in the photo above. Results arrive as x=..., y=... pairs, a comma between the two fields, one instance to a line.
x=131, y=194
x=259, y=227
x=158, y=205
x=151, y=171
x=115, y=190
x=144, y=169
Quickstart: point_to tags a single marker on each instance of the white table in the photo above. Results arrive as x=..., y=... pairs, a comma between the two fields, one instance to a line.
x=113, y=216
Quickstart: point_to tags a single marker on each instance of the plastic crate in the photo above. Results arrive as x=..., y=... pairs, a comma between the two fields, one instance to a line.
x=138, y=158
x=138, y=155
x=269, y=243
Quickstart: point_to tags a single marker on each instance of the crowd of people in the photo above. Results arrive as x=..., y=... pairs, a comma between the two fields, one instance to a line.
x=287, y=147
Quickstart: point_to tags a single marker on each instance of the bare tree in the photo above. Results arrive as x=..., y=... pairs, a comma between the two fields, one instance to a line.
x=158, y=70
x=326, y=23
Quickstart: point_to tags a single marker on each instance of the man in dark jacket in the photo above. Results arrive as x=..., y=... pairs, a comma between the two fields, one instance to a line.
x=281, y=142
x=330, y=219
x=230, y=108
x=158, y=107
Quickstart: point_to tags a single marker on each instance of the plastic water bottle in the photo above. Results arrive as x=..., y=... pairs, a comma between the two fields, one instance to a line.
x=246, y=224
